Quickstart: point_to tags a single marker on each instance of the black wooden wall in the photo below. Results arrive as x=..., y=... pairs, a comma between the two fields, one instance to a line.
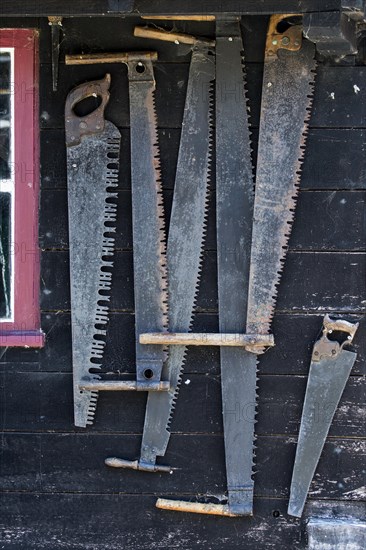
x=56, y=491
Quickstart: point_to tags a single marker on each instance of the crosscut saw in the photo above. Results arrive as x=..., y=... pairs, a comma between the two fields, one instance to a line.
x=150, y=278
x=234, y=207
x=185, y=242
x=285, y=108
x=330, y=368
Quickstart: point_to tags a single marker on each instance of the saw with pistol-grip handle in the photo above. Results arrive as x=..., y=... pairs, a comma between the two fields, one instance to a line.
x=92, y=145
x=330, y=368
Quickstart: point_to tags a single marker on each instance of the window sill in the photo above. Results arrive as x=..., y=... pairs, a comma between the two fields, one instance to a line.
x=22, y=338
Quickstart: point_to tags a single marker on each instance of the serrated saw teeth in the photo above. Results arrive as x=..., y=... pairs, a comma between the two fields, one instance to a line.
x=190, y=182
x=292, y=82
x=90, y=213
x=150, y=271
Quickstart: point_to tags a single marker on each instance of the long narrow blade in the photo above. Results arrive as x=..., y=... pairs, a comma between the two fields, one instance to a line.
x=91, y=168
x=150, y=277
x=185, y=242
x=235, y=198
x=286, y=101
x=326, y=382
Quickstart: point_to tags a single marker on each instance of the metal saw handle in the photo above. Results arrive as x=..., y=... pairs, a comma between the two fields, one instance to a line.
x=78, y=126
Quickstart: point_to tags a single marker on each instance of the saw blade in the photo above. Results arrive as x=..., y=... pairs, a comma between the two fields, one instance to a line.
x=235, y=199
x=285, y=110
x=326, y=382
x=185, y=242
x=92, y=169
x=330, y=368
x=149, y=254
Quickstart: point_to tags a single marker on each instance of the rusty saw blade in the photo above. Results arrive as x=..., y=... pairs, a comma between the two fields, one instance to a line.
x=92, y=169
x=185, y=241
x=184, y=251
x=234, y=207
x=289, y=72
x=149, y=248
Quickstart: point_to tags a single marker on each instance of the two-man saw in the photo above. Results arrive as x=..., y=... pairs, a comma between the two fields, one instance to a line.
x=150, y=277
x=285, y=108
x=185, y=241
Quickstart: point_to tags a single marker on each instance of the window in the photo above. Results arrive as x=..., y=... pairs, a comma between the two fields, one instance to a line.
x=19, y=188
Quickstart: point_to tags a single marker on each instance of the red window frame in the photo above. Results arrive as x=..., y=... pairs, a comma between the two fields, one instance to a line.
x=24, y=329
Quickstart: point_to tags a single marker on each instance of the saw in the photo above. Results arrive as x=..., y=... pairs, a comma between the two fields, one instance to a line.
x=286, y=99
x=234, y=208
x=150, y=278
x=287, y=92
x=330, y=368
x=92, y=170
x=185, y=242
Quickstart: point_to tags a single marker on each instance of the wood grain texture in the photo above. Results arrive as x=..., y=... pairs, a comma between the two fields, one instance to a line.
x=305, y=284
x=320, y=170
x=55, y=491
x=345, y=110
x=36, y=401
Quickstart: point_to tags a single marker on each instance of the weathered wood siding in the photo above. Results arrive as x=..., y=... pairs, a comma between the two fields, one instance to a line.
x=56, y=492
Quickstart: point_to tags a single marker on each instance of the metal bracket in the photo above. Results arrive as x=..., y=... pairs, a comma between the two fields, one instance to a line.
x=55, y=22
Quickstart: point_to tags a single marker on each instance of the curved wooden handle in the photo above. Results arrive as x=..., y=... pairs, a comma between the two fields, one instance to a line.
x=76, y=127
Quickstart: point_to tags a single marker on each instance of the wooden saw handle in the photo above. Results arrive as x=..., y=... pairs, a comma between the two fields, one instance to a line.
x=113, y=57
x=168, y=36
x=76, y=127
x=194, y=507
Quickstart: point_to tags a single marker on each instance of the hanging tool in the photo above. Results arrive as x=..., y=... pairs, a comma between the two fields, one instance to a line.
x=92, y=170
x=286, y=99
x=330, y=368
x=287, y=92
x=55, y=22
x=234, y=206
x=150, y=277
x=149, y=252
x=185, y=243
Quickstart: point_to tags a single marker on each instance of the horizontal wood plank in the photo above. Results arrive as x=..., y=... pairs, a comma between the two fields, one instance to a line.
x=325, y=221
x=337, y=101
x=294, y=338
x=75, y=463
x=305, y=285
x=38, y=402
x=334, y=159
x=107, y=522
